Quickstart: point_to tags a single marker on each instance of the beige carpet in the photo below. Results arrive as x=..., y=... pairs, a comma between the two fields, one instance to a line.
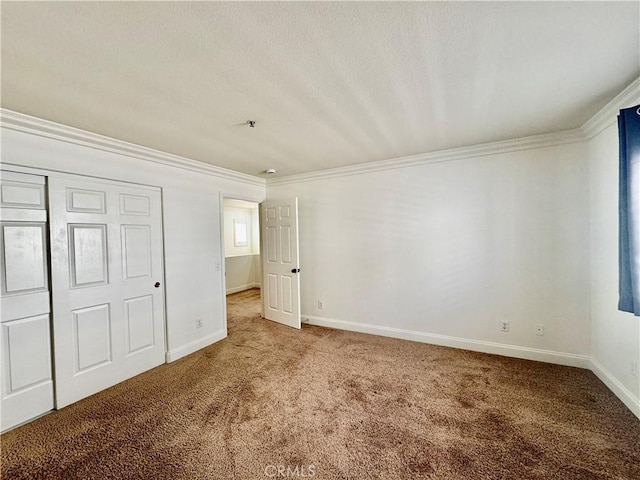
x=273, y=402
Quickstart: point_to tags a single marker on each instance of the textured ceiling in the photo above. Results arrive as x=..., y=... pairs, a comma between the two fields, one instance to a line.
x=329, y=84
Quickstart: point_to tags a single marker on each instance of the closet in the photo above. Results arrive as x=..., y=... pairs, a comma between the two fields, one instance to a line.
x=82, y=289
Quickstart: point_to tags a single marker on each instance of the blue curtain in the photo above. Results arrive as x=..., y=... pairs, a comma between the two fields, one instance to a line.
x=629, y=241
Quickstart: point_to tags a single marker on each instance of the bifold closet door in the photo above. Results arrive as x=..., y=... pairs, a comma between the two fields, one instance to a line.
x=25, y=336
x=107, y=274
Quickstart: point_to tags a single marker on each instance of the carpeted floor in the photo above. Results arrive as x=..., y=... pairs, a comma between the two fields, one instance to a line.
x=273, y=402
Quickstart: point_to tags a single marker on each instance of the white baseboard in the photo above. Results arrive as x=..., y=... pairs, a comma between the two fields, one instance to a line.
x=184, y=350
x=242, y=288
x=625, y=395
x=527, y=353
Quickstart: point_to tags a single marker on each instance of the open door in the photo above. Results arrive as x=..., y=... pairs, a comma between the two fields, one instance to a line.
x=280, y=269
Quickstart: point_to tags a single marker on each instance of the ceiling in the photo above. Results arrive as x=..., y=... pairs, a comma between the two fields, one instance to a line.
x=328, y=84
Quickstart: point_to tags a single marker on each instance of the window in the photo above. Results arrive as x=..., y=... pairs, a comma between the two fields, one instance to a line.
x=240, y=236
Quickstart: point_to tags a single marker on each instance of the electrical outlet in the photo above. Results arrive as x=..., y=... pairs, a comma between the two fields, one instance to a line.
x=218, y=266
x=199, y=323
x=634, y=368
x=539, y=329
x=504, y=326
x=320, y=305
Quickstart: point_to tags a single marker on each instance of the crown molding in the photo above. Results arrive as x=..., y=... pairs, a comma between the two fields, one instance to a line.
x=608, y=114
x=21, y=122
x=473, y=151
x=605, y=117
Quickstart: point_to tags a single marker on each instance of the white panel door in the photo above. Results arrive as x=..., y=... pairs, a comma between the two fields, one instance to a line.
x=107, y=269
x=280, y=270
x=25, y=334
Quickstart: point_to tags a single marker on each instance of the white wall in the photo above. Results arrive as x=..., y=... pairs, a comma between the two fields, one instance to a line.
x=242, y=264
x=243, y=273
x=255, y=233
x=250, y=217
x=191, y=208
x=444, y=251
x=615, y=335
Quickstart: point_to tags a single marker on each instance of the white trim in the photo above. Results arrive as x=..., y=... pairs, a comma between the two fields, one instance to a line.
x=44, y=128
x=191, y=347
x=609, y=113
x=223, y=263
x=223, y=270
x=243, y=255
x=242, y=288
x=626, y=396
x=453, y=154
x=606, y=116
x=515, y=351
x=46, y=172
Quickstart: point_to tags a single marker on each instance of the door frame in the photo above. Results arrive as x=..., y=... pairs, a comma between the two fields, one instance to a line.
x=223, y=277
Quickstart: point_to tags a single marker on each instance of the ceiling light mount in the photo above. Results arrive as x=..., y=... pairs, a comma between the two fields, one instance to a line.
x=251, y=123
x=270, y=171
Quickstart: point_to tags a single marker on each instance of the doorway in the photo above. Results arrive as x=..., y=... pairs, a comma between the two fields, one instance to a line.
x=261, y=252
x=241, y=245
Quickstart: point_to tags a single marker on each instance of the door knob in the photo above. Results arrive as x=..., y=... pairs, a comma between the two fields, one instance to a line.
x=295, y=270
x=157, y=285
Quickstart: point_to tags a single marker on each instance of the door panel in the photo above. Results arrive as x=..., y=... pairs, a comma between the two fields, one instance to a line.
x=139, y=323
x=19, y=191
x=108, y=316
x=272, y=291
x=88, y=255
x=285, y=244
x=134, y=205
x=272, y=245
x=25, y=333
x=24, y=252
x=287, y=293
x=136, y=251
x=28, y=352
x=25, y=305
x=92, y=337
x=86, y=201
x=281, y=301
x=270, y=212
